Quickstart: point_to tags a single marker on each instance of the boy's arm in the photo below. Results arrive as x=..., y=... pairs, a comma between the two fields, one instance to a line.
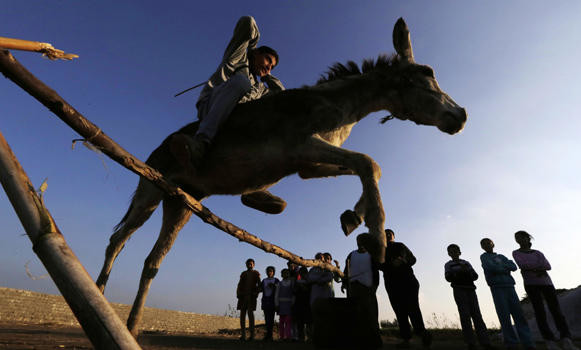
x=274, y=85
x=490, y=266
x=472, y=272
x=448, y=273
x=406, y=256
x=508, y=264
x=245, y=37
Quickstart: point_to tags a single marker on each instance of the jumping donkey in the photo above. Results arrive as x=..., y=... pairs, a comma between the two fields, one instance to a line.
x=293, y=131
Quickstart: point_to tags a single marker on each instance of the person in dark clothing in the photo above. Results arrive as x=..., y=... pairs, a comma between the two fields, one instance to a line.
x=403, y=289
x=461, y=276
x=302, y=311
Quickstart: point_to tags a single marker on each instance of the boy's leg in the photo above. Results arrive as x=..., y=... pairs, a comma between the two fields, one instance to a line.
x=520, y=322
x=397, y=300
x=499, y=296
x=251, y=322
x=269, y=320
x=221, y=103
x=555, y=308
x=479, y=325
x=461, y=296
x=536, y=297
x=243, y=323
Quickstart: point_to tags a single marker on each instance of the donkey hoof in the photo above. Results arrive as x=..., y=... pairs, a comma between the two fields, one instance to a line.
x=349, y=221
x=264, y=201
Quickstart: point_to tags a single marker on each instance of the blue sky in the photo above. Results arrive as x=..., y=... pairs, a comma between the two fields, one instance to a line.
x=512, y=65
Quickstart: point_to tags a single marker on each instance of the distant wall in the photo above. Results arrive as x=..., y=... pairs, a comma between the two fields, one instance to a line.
x=21, y=306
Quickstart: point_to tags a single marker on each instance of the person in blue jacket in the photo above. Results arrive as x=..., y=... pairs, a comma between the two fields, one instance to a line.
x=497, y=269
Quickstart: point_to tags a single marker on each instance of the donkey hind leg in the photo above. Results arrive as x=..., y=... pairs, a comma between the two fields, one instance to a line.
x=317, y=150
x=144, y=202
x=175, y=216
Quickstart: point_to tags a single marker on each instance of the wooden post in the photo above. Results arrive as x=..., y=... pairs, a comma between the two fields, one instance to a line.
x=14, y=71
x=99, y=321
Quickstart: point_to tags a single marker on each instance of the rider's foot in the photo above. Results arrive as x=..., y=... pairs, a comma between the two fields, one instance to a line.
x=197, y=148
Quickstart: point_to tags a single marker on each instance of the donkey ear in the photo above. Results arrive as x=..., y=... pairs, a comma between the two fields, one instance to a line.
x=402, y=42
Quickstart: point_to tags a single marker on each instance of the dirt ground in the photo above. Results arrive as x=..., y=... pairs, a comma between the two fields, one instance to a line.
x=50, y=337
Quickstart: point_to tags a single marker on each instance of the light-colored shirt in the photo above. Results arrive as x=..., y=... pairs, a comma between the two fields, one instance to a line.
x=360, y=268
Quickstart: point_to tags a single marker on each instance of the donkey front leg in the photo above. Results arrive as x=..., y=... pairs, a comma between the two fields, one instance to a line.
x=317, y=150
x=175, y=216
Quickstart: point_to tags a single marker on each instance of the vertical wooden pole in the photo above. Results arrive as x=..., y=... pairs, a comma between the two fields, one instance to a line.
x=99, y=321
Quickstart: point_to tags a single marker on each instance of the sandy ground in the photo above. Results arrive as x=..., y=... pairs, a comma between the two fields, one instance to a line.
x=45, y=337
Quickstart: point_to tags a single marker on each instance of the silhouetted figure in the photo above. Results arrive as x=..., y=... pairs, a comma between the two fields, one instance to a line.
x=461, y=275
x=497, y=268
x=284, y=300
x=361, y=278
x=247, y=292
x=302, y=308
x=268, y=288
x=538, y=285
x=403, y=289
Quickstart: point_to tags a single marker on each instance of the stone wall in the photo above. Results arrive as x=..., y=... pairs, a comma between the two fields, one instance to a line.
x=21, y=306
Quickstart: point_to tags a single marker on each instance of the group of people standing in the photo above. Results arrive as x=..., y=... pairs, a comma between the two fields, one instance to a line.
x=497, y=271
x=293, y=297
x=290, y=297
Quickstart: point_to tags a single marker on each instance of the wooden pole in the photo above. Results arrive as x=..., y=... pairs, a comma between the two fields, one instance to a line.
x=99, y=321
x=14, y=71
x=45, y=48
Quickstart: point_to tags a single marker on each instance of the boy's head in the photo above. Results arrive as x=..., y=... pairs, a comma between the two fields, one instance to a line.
x=291, y=265
x=523, y=238
x=270, y=271
x=361, y=241
x=454, y=251
x=319, y=256
x=389, y=235
x=250, y=264
x=285, y=273
x=487, y=244
x=327, y=257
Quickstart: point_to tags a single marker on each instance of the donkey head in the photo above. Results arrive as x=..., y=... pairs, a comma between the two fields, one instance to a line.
x=421, y=99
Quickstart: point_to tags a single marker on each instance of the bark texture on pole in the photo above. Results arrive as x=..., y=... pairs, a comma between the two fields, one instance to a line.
x=46, y=49
x=99, y=321
x=14, y=71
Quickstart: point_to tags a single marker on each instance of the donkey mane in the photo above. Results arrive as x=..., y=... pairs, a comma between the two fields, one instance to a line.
x=340, y=70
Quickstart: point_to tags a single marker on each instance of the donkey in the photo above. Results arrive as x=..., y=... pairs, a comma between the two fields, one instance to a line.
x=293, y=131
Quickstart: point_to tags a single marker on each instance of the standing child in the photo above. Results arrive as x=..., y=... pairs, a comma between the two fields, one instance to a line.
x=247, y=292
x=538, y=285
x=283, y=300
x=268, y=288
x=497, y=268
x=302, y=306
x=461, y=275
